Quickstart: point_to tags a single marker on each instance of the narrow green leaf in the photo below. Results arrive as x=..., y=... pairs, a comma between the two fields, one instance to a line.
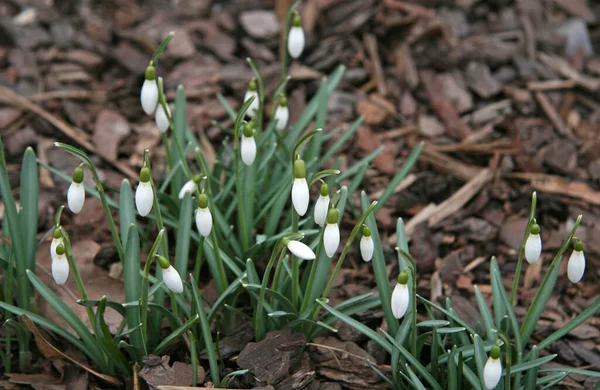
x=133, y=282
x=176, y=334
x=126, y=210
x=488, y=321
x=184, y=226
x=29, y=205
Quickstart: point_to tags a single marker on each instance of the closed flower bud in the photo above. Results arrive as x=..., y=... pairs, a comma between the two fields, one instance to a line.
x=366, y=244
x=300, y=193
x=144, y=194
x=492, y=371
x=248, y=145
x=282, y=114
x=203, y=216
x=56, y=241
x=252, y=92
x=170, y=275
x=533, y=245
x=322, y=205
x=76, y=192
x=189, y=187
x=576, y=266
x=296, y=37
x=60, y=265
x=331, y=236
x=300, y=250
x=162, y=120
x=149, y=94
x=400, y=296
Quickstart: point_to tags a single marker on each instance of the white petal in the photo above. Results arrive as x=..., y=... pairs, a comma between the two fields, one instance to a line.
x=533, y=248
x=366, y=248
x=576, y=266
x=60, y=269
x=492, y=371
x=248, y=150
x=204, y=221
x=76, y=197
x=300, y=196
x=149, y=96
x=400, y=300
x=254, y=105
x=144, y=197
x=301, y=250
x=189, y=187
x=162, y=121
x=55, y=243
x=172, y=280
x=282, y=115
x=331, y=239
x=321, y=207
x=296, y=41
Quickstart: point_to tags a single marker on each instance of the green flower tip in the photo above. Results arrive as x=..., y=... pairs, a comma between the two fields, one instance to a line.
x=56, y=234
x=249, y=129
x=150, y=72
x=578, y=245
x=60, y=250
x=163, y=262
x=324, y=189
x=283, y=101
x=403, y=277
x=252, y=85
x=495, y=352
x=299, y=169
x=145, y=175
x=196, y=179
x=203, y=201
x=366, y=231
x=297, y=22
x=332, y=216
x=78, y=175
x=534, y=229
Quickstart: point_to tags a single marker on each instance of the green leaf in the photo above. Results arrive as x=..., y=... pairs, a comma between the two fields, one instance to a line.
x=532, y=364
x=432, y=324
x=497, y=284
x=531, y=375
x=339, y=142
x=176, y=334
x=321, y=175
x=480, y=356
x=29, y=205
x=180, y=123
x=126, y=210
x=488, y=321
x=184, y=226
x=133, y=282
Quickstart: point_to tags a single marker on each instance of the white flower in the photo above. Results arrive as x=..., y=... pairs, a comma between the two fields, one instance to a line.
x=252, y=92
x=366, y=248
x=76, y=197
x=162, y=121
x=400, y=300
x=282, y=115
x=149, y=94
x=331, y=239
x=172, y=279
x=301, y=250
x=576, y=265
x=204, y=221
x=300, y=196
x=492, y=371
x=144, y=198
x=56, y=241
x=248, y=149
x=321, y=207
x=296, y=37
x=189, y=187
x=60, y=265
x=533, y=245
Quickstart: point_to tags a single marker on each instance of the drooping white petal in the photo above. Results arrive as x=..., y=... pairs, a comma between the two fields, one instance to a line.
x=296, y=41
x=321, y=207
x=204, y=221
x=172, y=280
x=576, y=266
x=55, y=243
x=189, y=187
x=301, y=250
x=248, y=150
x=282, y=115
x=300, y=196
x=149, y=96
x=75, y=197
x=366, y=248
x=331, y=239
x=400, y=300
x=254, y=105
x=533, y=248
x=60, y=268
x=492, y=371
x=144, y=198
x=162, y=121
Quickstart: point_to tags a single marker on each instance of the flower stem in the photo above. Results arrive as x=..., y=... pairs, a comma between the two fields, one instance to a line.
x=515, y=285
x=295, y=263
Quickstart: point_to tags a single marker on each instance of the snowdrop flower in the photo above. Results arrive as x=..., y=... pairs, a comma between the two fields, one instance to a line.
x=248, y=145
x=203, y=216
x=492, y=371
x=366, y=244
x=331, y=236
x=400, y=296
x=76, y=192
x=296, y=37
x=300, y=250
x=252, y=92
x=533, y=245
x=189, y=187
x=56, y=241
x=322, y=205
x=282, y=113
x=144, y=194
x=576, y=265
x=162, y=120
x=300, y=195
x=60, y=265
x=170, y=275
x=149, y=94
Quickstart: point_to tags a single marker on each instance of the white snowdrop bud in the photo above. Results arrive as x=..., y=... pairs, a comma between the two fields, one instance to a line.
x=170, y=275
x=56, y=241
x=162, y=120
x=300, y=193
x=331, y=236
x=322, y=205
x=76, y=192
x=576, y=265
x=300, y=250
x=149, y=94
x=203, y=216
x=252, y=92
x=492, y=371
x=248, y=145
x=144, y=194
x=60, y=265
x=189, y=187
x=400, y=296
x=366, y=244
x=282, y=114
x=533, y=245
x=296, y=37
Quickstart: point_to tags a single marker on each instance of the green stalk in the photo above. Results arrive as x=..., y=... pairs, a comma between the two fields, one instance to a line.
x=221, y=281
x=145, y=287
x=295, y=263
x=515, y=285
x=308, y=294
x=198, y=264
x=261, y=96
x=161, y=48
